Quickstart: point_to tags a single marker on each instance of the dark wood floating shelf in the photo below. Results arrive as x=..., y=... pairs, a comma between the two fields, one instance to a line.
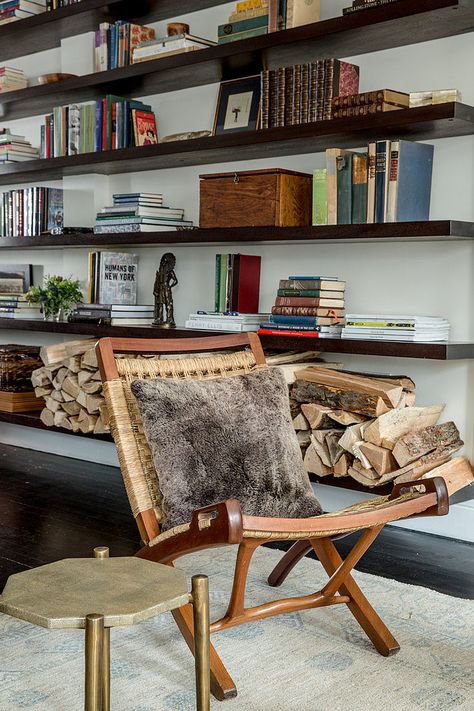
x=429, y=122
x=402, y=23
x=432, y=231
x=46, y=30
x=398, y=349
x=405, y=22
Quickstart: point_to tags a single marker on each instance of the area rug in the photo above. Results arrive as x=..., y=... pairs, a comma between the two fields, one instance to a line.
x=317, y=660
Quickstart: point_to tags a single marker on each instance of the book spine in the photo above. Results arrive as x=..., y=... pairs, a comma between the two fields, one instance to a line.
x=371, y=181
x=308, y=311
x=393, y=182
x=359, y=189
x=273, y=7
x=265, y=113
x=320, y=80
x=331, y=167
x=273, y=98
x=281, y=96
x=320, y=197
x=309, y=293
x=303, y=301
x=248, y=34
x=311, y=321
x=381, y=167
x=223, y=283
x=297, y=93
x=295, y=334
x=291, y=111
x=305, y=89
x=233, y=28
x=344, y=188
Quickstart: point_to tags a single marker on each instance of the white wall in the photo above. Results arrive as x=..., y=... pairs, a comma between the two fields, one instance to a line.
x=431, y=279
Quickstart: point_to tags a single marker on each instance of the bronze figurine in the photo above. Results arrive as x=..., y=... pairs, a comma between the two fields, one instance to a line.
x=165, y=280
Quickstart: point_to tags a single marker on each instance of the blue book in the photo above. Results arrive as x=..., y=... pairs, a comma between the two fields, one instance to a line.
x=381, y=180
x=291, y=321
x=233, y=28
x=409, y=187
x=313, y=278
x=98, y=126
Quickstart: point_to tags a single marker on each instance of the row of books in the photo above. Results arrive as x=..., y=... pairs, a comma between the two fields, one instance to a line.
x=304, y=92
x=107, y=124
x=398, y=327
x=12, y=79
x=113, y=278
x=253, y=18
x=391, y=182
x=237, y=284
x=56, y=4
x=115, y=43
x=359, y=5
x=30, y=212
x=369, y=103
x=14, y=149
x=171, y=44
x=17, y=307
x=113, y=314
x=233, y=321
x=308, y=306
x=12, y=10
x=139, y=212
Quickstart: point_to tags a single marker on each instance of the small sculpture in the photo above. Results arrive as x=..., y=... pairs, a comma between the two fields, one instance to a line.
x=165, y=280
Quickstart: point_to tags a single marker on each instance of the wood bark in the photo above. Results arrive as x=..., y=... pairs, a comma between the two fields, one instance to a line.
x=387, y=429
x=335, y=399
x=414, y=445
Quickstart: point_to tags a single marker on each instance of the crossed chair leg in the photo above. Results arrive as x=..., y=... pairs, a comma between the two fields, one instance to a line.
x=341, y=588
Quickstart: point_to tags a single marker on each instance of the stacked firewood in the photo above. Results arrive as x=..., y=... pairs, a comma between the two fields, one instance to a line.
x=368, y=427
x=71, y=387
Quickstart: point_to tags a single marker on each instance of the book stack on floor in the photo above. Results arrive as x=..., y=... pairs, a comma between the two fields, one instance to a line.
x=11, y=10
x=106, y=124
x=232, y=321
x=14, y=149
x=391, y=182
x=169, y=45
x=139, y=212
x=17, y=307
x=369, y=103
x=114, y=314
x=115, y=43
x=437, y=96
x=12, y=79
x=252, y=18
x=389, y=327
x=359, y=5
x=30, y=212
x=307, y=306
x=304, y=92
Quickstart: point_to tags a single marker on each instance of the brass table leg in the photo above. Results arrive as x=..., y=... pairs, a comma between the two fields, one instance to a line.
x=94, y=662
x=103, y=552
x=200, y=594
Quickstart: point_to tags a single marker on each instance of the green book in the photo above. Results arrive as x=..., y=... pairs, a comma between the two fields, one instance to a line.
x=233, y=28
x=344, y=189
x=223, y=283
x=359, y=188
x=244, y=35
x=320, y=196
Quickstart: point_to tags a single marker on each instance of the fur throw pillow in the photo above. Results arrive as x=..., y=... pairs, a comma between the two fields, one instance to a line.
x=229, y=438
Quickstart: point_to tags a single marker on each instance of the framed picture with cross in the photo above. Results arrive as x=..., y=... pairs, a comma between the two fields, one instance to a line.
x=238, y=105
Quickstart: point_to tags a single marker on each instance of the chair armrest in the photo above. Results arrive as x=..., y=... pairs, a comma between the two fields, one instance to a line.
x=435, y=485
x=211, y=526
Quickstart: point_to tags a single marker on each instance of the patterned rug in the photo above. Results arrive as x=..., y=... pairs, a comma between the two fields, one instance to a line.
x=318, y=660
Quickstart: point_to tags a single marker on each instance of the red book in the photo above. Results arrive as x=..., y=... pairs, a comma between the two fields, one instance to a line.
x=245, y=288
x=304, y=334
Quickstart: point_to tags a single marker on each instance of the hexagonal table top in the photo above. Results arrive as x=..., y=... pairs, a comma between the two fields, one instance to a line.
x=124, y=590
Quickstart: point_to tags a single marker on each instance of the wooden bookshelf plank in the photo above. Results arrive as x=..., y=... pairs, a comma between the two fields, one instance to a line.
x=431, y=231
x=428, y=122
x=399, y=349
x=402, y=23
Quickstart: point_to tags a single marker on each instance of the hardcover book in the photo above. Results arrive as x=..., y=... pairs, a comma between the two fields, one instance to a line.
x=320, y=197
x=409, y=186
x=118, y=278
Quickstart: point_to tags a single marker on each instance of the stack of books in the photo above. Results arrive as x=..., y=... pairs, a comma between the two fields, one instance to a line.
x=11, y=10
x=30, y=212
x=166, y=46
x=310, y=306
x=391, y=182
x=139, y=212
x=304, y=92
x=115, y=43
x=14, y=149
x=369, y=103
x=113, y=278
x=389, y=327
x=237, y=285
x=114, y=314
x=107, y=124
x=232, y=321
x=56, y=4
x=12, y=79
x=252, y=18
x=17, y=307
x=437, y=96
x=358, y=5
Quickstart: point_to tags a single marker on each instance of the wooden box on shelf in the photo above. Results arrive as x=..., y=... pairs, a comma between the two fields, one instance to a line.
x=255, y=198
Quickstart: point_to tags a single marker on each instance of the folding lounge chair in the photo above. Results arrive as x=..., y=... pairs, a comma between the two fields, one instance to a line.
x=224, y=523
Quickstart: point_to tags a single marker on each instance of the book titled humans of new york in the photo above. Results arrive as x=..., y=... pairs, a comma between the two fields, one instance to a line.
x=118, y=278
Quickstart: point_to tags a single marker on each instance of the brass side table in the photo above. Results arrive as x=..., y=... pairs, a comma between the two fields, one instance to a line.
x=98, y=593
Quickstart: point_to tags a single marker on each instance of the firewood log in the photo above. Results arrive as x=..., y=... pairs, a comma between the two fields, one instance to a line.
x=100, y=427
x=334, y=449
x=313, y=463
x=57, y=395
x=318, y=439
x=304, y=438
x=362, y=478
x=87, y=422
x=299, y=423
x=308, y=392
x=381, y=459
x=360, y=456
x=387, y=429
x=351, y=435
x=368, y=473
x=89, y=359
x=414, y=445
x=59, y=378
x=51, y=404
x=59, y=352
x=40, y=378
x=317, y=416
x=346, y=419
x=71, y=385
x=83, y=377
x=42, y=391
x=341, y=468
x=47, y=417
x=72, y=408
x=457, y=474
x=74, y=364
x=93, y=402
x=342, y=381
x=67, y=397
x=61, y=420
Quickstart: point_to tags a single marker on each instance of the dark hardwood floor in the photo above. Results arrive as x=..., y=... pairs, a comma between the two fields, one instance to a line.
x=53, y=507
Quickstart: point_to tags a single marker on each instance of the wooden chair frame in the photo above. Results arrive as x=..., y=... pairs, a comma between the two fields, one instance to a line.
x=225, y=524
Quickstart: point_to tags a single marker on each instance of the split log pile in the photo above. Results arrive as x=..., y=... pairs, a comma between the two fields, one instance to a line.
x=71, y=387
x=369, y=428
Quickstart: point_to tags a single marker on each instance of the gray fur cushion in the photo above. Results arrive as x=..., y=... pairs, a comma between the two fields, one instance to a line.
x=230, y=438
